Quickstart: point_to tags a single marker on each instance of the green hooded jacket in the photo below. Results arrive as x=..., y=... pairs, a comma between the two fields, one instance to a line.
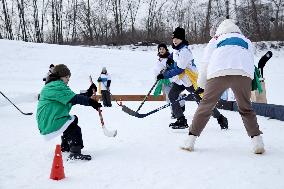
x=53, y=107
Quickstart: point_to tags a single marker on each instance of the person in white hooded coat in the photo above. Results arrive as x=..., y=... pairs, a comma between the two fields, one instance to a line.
x=228, y=62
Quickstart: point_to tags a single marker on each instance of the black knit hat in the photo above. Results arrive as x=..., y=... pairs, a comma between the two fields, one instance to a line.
x=162, y=45
x=51, y=65
x=179, y=33
x=61, y=70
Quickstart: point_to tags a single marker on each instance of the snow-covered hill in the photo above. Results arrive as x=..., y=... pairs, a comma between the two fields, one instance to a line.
x=146, y=153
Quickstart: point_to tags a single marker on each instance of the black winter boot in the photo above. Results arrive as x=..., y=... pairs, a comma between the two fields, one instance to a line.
x=223, y=122
x=181, y=123
x=64, y=144
x=76, y=154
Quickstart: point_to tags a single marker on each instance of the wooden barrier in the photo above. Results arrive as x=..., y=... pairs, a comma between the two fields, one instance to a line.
x=135, y=97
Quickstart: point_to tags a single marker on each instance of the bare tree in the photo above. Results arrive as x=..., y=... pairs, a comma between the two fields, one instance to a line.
x=43, y=15
x=277, y=30
x=89, y=20
x=75, y=8
x=133, y=7
x=154, y=22
x=38, y=32
x=57, y=26
x=23, y=26
x=8, y=25
x=207, y=21
x=255, y=18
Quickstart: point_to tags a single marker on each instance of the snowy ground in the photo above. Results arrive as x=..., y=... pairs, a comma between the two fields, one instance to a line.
x=145, y=153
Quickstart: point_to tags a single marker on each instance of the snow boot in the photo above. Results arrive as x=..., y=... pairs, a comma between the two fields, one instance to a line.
x=64, y=144
x=181, y=123
x=223, y=122
x=76, y=154
x=258, y=146
x=189, y=143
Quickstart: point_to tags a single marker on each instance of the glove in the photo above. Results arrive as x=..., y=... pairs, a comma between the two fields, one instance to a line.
x=160, y=76
x=170, y=61
x=99, y=79
x=95, y=104
x=199, y=91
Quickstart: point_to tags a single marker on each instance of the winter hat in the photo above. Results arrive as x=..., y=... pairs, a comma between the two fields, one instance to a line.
x=51, y=65
x=179, y=33
x=227, y=26
x=162, y=45
x=61, y=70
x=215, y=25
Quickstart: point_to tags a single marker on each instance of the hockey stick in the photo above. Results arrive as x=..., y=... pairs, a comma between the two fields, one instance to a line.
x=262, y=61
x=15, y=105
x=138, y=115
x=106, y=131
x=147, y=95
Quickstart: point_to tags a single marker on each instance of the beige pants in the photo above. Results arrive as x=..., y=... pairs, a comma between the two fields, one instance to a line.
x=214, y=88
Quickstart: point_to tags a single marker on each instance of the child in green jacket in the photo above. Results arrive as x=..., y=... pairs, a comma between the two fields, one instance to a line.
x=55, y=103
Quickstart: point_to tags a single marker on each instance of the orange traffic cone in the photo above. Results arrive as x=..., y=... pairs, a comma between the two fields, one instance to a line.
x=57, y=170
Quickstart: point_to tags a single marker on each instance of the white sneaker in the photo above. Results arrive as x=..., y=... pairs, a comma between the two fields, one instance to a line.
x=189, y=143
x=258, y=146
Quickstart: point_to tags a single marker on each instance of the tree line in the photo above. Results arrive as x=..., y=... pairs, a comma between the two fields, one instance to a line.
x=118, y=22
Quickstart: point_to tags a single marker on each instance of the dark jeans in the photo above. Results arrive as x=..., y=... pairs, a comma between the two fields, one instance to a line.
x=106, y=98
x=72, y=136
x=174, y=95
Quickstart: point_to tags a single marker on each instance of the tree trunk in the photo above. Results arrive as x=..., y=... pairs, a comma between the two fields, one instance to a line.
x=74, y=30
x=255, y=18
x=38, y=33
x=207, y=22
x=22, y=20
x=8, y=24
x=91, y=38
x=54, y=39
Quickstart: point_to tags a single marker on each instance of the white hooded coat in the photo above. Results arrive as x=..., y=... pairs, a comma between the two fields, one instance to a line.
x=223, y=58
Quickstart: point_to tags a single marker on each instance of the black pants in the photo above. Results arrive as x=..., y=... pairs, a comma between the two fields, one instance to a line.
x=174, y=95
x=106, y=98
x=72, y=136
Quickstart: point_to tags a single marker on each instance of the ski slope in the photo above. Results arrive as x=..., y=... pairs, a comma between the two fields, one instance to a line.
x=145, y=153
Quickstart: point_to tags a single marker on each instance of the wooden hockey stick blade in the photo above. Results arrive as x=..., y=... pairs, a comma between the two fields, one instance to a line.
x=109, y=133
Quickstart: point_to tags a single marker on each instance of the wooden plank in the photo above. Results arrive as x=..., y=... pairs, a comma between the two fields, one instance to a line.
x=135, y=97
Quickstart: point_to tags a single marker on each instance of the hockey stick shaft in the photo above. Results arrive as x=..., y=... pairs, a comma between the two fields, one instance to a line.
x=136, y=114
x=147, y=95
x=15, y=105
x=106, y=131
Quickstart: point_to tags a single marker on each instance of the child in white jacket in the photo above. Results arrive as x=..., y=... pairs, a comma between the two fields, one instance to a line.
x=163, y=64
